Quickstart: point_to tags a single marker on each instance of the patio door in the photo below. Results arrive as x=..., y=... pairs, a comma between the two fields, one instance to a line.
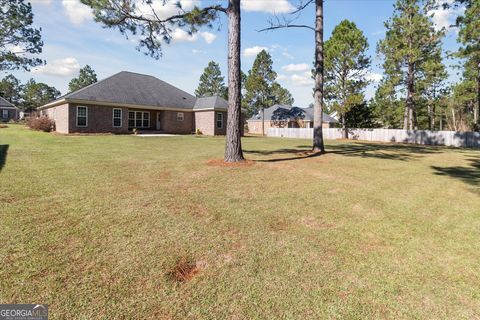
x=159, y=124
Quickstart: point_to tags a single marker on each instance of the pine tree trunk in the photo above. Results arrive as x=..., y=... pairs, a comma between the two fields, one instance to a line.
x=406, y=117
x=477, y=108
x=412, y=115
x=429, y=112
x=432, y=125
x=344, y=128
x=318, y=145
x=233, y=145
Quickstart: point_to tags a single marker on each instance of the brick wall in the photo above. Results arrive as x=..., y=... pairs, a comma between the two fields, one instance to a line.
x=171, y=124
x=60, y=115
x=100, y=120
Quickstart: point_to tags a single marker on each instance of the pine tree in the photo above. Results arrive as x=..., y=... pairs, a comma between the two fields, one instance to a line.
x=212, y=82
x=10, y=89
x=346, y=64
x=261, y=89
x=18, y=39
x=36, y=94
x=410, y=48
x=469, y=38
x=86, y=77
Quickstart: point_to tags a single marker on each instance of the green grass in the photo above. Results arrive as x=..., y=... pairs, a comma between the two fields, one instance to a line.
x=94, y=226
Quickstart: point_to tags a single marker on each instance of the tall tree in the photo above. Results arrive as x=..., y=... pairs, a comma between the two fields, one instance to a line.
x=212, y=82
x=143, y=19
x=318, y=144
x=86, y=77
x=469, y=38
x=346, y=64
x=282, y=95
x=10, y=89
x=410, y=48
x=18, y=39
x=261, y=87
x=36, y=94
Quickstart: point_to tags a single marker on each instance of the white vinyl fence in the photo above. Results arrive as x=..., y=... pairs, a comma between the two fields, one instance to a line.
x=446, y=138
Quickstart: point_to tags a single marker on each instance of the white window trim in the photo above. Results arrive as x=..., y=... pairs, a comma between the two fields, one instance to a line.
x=5, y=114
x=121, y=118
x=141, y=118
x=86, y=117
x=216, y=120
x=182, y=117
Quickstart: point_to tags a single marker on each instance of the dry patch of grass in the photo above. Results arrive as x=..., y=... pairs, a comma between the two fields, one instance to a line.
x=221, y=163
x=184, y=270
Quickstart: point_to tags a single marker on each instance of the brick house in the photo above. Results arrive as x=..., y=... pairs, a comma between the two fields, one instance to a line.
x=283, y=116
x=8, y=111
x=130, y=100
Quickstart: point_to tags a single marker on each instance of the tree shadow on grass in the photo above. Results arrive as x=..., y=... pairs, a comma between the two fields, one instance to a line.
x=3, y=155
x=398, y=152
x=469, y=174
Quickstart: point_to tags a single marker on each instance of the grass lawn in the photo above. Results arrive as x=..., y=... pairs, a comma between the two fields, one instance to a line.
x=107, y=227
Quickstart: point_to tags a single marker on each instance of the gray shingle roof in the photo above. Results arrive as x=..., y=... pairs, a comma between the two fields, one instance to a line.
x=5, y=103
x=211, y=102
x=136, y=89
x=284, y=112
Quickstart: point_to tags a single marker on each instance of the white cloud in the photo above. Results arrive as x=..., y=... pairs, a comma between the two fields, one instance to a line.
x=169, y=8
x=444, y=18
x=253, y=51
x=281, y=77
x=208, y=37
x=277, y=6
x=372, y=76
x=42, y=2
x=287, y=55
x=296, y=67
x=76, y=12
x=302, y=80
x=60, y=67
x=180, y=35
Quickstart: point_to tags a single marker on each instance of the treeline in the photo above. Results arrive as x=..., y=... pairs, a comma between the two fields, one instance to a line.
x=31, y=95
x=260, y=88
x=414, y=92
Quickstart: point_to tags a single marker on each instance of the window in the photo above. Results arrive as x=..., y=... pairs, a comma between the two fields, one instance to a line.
x=131, y=119
x=138, y=119
x=219, y=120
x=180, y=116
x=117, y=117
x=146, y=119
x=5, y=114
x=82, y=114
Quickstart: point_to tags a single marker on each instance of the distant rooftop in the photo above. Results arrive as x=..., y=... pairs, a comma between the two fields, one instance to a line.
x=281, y=112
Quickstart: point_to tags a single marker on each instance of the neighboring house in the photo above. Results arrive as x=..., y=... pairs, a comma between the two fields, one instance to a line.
x=8, y=111
x=130, y=100
x=283, y=116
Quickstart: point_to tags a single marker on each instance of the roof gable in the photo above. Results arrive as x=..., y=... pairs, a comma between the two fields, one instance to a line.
x=211, y=102
x=5, y=103
x=135, y=89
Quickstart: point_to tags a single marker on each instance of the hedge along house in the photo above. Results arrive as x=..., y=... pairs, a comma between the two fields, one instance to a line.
x=8, y=111
x=128, y=100
x=283, y=116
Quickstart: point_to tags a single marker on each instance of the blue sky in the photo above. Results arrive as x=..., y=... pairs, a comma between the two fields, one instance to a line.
x=72, y=39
